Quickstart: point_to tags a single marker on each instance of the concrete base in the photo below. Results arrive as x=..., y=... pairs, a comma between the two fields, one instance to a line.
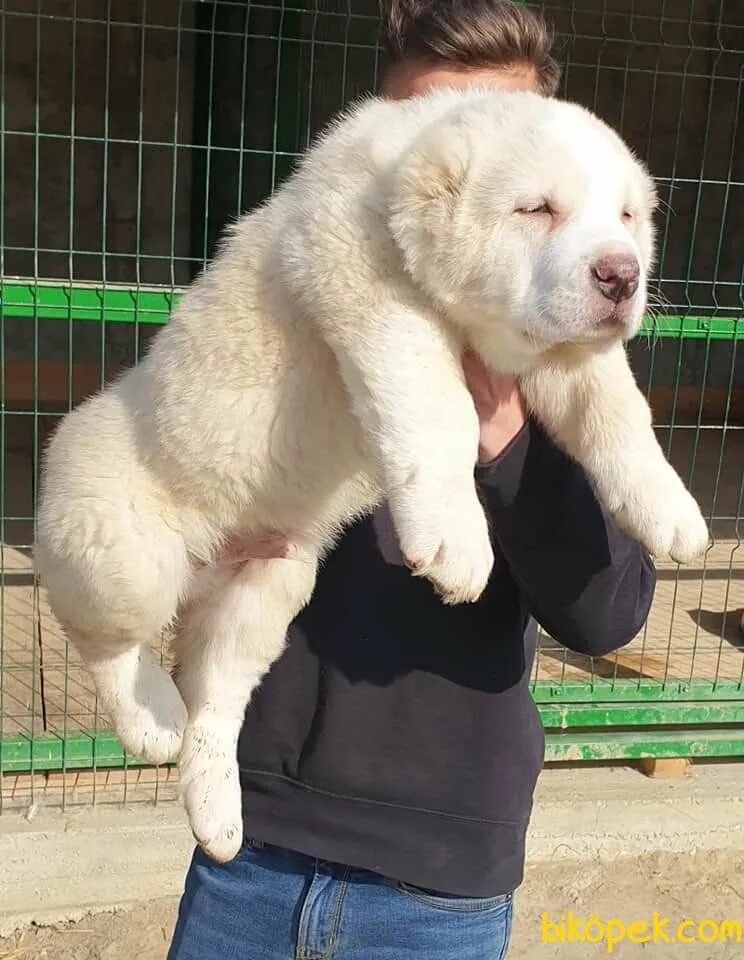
x=63, y=866
x=610, y=812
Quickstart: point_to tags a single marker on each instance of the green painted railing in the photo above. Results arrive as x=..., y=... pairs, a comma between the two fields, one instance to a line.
x=625, y=720
x=574, y=731
x=111, y=303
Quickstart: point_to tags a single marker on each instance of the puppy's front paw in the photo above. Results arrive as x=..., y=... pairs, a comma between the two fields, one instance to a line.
x=691, y=535
x=664, y=516
x=211, y=790
x=452, y=549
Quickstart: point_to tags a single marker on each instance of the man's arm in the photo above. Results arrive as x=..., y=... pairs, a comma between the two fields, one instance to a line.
x=586, y=582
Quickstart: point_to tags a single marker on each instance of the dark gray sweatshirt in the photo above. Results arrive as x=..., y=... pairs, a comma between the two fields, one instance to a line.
x=399, y=735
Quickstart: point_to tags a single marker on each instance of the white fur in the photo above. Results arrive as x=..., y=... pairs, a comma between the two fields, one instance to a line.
x=313, y=369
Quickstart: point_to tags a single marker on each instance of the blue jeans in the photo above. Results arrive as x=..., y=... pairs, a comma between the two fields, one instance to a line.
x=270, y=904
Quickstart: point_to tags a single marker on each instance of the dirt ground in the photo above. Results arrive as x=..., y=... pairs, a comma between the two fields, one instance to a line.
x=699, y=887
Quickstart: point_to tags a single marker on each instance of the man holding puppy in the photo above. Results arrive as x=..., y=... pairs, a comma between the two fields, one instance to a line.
x=389, y=759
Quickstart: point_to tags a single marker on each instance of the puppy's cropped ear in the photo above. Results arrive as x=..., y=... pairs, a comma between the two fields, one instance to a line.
x=436, y=167
x=427, y=187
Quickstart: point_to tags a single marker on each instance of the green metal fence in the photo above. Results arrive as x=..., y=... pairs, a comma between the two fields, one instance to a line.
x=132, y=130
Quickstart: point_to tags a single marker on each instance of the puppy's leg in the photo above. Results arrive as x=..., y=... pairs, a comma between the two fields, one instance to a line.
x=408, y=392
x=598, y=414
x=234, y=629
x=114, y=579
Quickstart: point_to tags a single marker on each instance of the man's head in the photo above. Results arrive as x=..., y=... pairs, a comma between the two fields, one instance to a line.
x=459, y=43
x=520, y=211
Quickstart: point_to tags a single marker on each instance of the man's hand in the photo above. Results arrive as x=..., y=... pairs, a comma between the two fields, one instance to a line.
x=501, y=408
x=502, y=414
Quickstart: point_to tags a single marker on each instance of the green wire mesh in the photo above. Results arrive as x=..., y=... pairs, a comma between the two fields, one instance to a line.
x=131, y=131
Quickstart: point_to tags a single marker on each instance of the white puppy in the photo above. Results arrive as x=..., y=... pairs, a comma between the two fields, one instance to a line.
x=315, y=368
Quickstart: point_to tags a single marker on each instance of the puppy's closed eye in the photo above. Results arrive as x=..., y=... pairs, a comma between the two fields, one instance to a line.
x=530, y=209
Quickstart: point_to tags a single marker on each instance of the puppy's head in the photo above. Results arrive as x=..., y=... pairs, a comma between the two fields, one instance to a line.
x=529, y=217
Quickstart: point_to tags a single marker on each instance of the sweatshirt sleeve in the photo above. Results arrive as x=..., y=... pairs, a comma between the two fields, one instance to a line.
x=587, y=583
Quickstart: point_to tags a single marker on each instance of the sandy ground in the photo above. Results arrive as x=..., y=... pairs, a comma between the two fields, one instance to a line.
x=709, y=887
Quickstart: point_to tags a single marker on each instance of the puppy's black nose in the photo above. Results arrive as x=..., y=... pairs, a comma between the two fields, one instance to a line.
x=616, y=275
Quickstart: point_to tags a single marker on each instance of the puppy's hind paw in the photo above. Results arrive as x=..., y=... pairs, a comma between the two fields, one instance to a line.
x=211, y=791
x=145, y=706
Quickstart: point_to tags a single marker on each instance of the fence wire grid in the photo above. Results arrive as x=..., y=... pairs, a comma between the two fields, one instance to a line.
x=131, y=131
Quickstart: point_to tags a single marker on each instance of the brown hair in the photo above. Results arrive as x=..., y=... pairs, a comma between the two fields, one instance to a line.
x=470, y=33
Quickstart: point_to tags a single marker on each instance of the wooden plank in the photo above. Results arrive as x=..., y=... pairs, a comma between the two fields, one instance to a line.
x=664, y=768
